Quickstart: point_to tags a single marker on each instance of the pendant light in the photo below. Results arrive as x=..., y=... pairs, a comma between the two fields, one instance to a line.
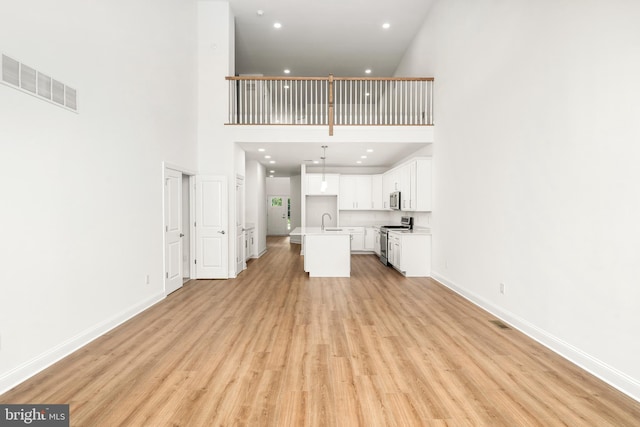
x=323, y=185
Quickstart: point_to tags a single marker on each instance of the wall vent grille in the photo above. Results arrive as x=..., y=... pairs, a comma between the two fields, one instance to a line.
x=29, y=80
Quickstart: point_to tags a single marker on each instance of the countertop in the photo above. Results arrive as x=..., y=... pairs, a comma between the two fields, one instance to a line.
x=329, y=231
x=418, y=231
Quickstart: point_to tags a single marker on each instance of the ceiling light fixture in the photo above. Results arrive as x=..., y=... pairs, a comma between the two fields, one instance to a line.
x=260, y=12
x=272, y=161
x=261, y=150
x=358, y=162
x=363, y=157
x=369, y=150
x=267, y=157
x=323, y=185
x=272, y=171
x=287, y=71
x=386, y=25
x=368, y=71
x=277, y=25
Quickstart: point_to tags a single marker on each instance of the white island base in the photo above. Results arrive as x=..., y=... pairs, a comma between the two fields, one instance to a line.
x=326, y=253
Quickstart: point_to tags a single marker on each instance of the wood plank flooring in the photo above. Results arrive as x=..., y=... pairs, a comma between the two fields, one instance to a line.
x=276, y=348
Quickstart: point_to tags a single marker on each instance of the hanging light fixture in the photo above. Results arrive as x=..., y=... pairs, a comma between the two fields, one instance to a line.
x=323, y=185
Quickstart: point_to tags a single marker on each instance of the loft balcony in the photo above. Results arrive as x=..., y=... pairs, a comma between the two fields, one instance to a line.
x=382, y=106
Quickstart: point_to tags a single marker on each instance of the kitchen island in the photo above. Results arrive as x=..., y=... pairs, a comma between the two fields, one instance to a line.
x=327, y=253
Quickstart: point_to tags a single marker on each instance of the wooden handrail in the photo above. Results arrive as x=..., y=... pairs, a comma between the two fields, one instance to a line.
x=280, y=78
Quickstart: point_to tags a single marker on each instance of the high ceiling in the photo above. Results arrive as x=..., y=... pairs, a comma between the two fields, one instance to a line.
x=318, y=38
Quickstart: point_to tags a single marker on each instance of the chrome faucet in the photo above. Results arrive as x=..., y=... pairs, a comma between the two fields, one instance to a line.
x=323, y=219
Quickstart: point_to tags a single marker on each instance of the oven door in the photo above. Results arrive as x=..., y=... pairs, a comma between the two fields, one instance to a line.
x=383, y=246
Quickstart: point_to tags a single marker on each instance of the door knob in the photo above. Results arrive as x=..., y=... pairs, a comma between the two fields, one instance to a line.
x=181, y=235
x=221, y=232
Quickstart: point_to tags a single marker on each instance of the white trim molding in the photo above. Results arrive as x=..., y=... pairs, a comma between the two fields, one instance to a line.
x=28, y=369
x=596, y=367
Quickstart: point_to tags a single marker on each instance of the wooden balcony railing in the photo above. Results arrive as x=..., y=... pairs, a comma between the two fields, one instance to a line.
x=331, y=101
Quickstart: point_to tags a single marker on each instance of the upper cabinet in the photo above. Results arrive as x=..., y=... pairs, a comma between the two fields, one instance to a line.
x=421, y=192
x=356, y=192
x=314, y=184
x=377, y=201
x=413, y=181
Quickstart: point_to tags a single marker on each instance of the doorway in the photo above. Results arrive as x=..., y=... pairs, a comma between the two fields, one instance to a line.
x=278, y=215
x=178, y=214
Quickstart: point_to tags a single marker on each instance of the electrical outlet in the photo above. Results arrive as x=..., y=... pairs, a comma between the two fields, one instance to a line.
x=502, y=288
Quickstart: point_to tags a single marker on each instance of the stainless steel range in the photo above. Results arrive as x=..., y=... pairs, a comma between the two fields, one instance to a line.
x=406, y=223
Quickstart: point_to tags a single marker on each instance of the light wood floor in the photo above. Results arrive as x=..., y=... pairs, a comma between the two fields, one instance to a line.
x=276, y=348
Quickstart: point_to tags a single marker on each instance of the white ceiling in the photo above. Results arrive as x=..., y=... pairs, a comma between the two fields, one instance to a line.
x=318, y=38
x=289, y=156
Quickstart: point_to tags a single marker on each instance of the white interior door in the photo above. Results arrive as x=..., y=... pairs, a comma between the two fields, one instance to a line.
x=277, y=215
x=212, y=237
x=173, y=230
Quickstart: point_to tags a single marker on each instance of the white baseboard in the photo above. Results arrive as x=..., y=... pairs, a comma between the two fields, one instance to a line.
x=12, y=378
x=596, y=367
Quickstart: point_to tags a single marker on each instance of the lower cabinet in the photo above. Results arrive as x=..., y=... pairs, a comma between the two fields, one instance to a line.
x=370, y=234
x=249, y=243
x=410, y=253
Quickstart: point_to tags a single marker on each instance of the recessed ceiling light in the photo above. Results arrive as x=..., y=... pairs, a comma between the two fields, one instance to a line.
x=286, y=86
x=260, y=12
x=368, y=71
x=366, y=94
x=316, y=161
x=272, y=171
x=287, y=71
x=261, y=150
x=270, y=176
x=267, y=156
x=358, y=162
x=386, y=25
x=272, y=161
x=277, y=25
x=363, y=157
x=369, y=150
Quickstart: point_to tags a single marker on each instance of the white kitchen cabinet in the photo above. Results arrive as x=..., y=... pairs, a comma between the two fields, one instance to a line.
x=357, y=238
x=249, y=243
x=413, y=180
x=389, y=185
x=314, y=184
x=355, y=192
x=377, y=201
x=410, y=253
x=421, y=191
x=370, y=234
x=404, y=185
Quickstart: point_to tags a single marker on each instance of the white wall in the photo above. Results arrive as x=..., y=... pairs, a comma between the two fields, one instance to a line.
x=217, y=151
x=536, y=169
x=82, y=193
x=278, y=186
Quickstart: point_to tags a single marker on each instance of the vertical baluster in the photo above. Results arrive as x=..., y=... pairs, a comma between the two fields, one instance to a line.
x=270, y=102
x=410, y=107
x=370, y=92
x=385, y=109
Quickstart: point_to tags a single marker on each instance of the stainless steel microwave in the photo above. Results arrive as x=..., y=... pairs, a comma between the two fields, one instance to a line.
x=394, y=200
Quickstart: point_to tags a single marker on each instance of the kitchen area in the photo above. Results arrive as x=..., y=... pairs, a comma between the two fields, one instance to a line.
x=385, y=214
